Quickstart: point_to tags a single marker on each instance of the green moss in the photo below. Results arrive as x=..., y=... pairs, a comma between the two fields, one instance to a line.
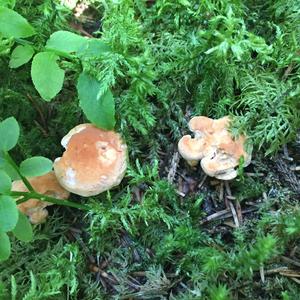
x=170, y=60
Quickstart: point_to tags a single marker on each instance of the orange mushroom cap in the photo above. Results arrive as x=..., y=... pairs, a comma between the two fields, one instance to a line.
x=94, y=160
x=46, y=184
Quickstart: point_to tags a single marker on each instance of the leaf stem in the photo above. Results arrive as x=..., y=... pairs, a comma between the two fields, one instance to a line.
x=23, y=42
x=35, y=195
x=14, y=165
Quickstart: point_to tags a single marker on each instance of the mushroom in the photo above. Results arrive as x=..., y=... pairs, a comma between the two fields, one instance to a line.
x=221, y=164
x=95, y=160
x=214, y=146
x=194, y=149
x=46, y=184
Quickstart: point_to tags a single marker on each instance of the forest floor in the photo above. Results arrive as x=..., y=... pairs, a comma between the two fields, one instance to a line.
x=168, y=231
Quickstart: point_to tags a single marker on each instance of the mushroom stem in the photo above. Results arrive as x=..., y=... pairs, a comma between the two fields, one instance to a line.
x=41, y=197
x=13, y=164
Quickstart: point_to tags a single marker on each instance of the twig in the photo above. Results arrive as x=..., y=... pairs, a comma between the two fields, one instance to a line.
x=239, y=211
x=234, y=214
x=286, y=153
x=296, y=168
x=276, y=270
x=296, y=280
x=293, y=251
x=224, y=214
x=214, y=216
x=290, y=261
x=289, y=273
x=202, y=182
x=262, y=274
x=173, y=168
x=221, y=193
x=254, y=174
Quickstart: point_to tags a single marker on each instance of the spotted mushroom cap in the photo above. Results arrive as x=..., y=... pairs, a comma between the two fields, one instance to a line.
x=46, y=184
x=95, y=160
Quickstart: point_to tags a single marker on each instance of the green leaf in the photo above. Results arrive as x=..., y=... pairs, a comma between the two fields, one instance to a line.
x=93, y=48
x=9, y=133
x=14, y=25
x=5, y=183
x=20, y=56
x=66, y=41
x=8, y=169
x=35, y=166
x=8, y=213
x=98, y=108
x=23, y=230
x=47, y=76
x=4, y=246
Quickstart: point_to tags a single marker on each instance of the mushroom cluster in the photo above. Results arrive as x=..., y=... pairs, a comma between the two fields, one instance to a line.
x=47, y=185
x=214, y=146
x=94, y=160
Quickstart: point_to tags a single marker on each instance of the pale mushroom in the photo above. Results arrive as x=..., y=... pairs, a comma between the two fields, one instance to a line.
x=222, y=163
x=201, y=126
x=95, y=160
x=194, y=149
x=214, y=146
x=47, y=185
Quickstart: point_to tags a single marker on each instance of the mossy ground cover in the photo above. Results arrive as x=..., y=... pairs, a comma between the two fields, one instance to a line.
x=168, y=232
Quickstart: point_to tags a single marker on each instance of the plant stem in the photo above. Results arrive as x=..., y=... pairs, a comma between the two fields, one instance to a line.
x=35, y=195
x=14, y=165
x=23, y=42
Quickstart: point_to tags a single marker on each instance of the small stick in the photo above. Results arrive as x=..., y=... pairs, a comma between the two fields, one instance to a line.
x=239, y=211
x=286, y=153
x=215, y=215
x=293, y=252
x=173, y=168
x=202, y=181
x=221, y=194
x=290, y=274
x=234, y=214
x=276, y=270
x=227, y=187
x=297, y=168
x=180, y=193
x=290, y=261
x=296, y=280
x=262, y=274
x=254, y=174
x=224, y=214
